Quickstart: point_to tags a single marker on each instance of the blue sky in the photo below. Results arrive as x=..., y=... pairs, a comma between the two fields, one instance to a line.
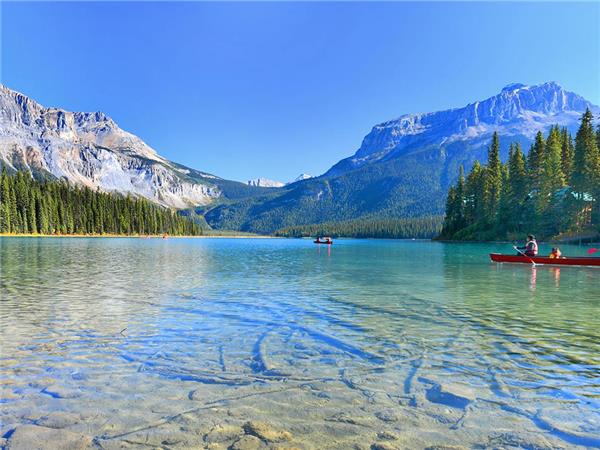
x=268, y=89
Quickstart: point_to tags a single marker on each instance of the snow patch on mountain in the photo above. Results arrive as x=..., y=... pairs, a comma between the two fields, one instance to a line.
x=302, y=176
x=265, y=182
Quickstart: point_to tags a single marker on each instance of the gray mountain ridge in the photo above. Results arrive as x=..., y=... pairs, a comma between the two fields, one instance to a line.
x=518, y=110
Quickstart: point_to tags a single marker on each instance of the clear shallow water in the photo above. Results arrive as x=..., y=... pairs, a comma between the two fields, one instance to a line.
x=180, y=343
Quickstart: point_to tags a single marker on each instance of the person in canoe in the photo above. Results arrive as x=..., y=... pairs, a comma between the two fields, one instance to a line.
x=530, y=248
x=555, y=253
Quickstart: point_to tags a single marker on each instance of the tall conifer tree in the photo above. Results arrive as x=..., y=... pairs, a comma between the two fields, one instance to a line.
x=493, y=180
x=567, y=153
x=553, y=177
x=586, y=169
x=535, y=159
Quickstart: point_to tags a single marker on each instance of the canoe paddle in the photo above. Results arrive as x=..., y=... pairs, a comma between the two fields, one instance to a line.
x=532, y=261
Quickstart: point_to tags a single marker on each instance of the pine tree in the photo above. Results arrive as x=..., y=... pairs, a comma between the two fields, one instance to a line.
x=5, y=207
x=474, y=209
x=585, y=150
x=535, y=159
x=567, y=152
x=519, y=179
x=460, y=199
x=41, y=215
x=15, y=216
x=504, y=216
x=449, y=227
x=586, y=169
x=553, y=177
x=493, y=180
x=32, y=218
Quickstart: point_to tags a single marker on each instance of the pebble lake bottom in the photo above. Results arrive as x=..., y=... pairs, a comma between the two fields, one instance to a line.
x=280, y=343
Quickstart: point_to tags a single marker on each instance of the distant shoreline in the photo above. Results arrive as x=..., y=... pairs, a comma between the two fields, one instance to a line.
x=137, y=236
x=264, y=236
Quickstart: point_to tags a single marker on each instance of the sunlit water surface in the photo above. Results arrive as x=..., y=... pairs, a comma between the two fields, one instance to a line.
x=258, y=343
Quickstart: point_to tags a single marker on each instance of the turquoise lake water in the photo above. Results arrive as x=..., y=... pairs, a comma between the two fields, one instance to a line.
x=260, y=343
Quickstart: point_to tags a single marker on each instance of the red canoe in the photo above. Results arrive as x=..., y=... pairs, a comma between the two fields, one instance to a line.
x=567, y=261
x=323, y=242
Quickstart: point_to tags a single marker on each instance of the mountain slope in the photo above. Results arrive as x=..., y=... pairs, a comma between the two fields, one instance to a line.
x=518, y=111
x=404, y=166
x=91, y=150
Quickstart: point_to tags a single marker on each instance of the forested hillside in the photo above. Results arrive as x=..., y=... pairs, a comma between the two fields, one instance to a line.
x=422, y=227
x=383, y=190
x=57, y=207
x=553, y=190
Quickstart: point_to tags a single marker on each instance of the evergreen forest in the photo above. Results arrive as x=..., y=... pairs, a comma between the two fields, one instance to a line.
x=552, y=191
x=28, y=206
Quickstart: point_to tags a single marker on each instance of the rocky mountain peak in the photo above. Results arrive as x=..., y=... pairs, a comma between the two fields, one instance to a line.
x=89, y=148
x=518, y=110
x=513, y=87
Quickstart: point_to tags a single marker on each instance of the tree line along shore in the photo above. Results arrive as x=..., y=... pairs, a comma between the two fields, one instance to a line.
x=55, y=207
x=420, y=228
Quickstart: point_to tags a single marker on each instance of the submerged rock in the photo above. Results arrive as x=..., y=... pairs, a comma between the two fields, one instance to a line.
x=387, y=415
x=266, y=432
x=383, y=446
x=223, y=433
x=247, y=442
x=33, y=437
x=59, y=419
x=515, y=440
x=197, y=395
x=446, y=447
x=387, y=436
x=346, y=418
x=58, y=391
x=451, y=394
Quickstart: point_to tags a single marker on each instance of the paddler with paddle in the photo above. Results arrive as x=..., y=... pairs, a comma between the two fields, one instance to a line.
x=530, y=248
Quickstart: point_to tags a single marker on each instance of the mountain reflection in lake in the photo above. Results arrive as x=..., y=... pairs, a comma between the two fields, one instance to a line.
x=259, y=343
